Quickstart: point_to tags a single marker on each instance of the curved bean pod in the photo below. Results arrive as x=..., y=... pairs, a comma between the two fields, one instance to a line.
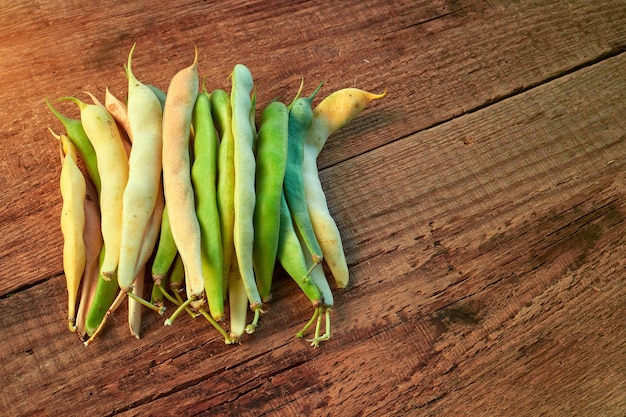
x=335, y=111
x=329, y=115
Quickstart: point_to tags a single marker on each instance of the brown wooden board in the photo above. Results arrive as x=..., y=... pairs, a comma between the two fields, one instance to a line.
x=481, y=205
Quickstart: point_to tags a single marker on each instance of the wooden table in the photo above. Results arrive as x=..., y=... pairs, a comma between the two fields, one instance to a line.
x=482, y=205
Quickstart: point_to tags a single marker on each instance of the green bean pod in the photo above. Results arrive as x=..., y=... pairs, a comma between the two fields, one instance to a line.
x=300, y=119
x=106, y=290
x=271, y=159
x=177, y=275
x=243, y=235
x=222, y=117
x=166, y=250
x=204, y=179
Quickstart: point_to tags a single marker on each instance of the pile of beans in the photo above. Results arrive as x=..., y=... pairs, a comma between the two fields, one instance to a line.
x=182, y=186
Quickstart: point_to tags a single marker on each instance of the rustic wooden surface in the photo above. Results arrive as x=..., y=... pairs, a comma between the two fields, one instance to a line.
x=482, y=205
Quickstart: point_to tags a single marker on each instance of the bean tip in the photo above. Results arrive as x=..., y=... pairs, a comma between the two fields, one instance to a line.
x=381, y=95
x=71, y=324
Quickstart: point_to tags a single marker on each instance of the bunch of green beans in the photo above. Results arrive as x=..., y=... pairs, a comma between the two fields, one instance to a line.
x=186, y=187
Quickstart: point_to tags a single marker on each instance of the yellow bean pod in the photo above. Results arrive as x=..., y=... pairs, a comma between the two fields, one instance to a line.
x=329, y=115
x=102, y=131
x=144, y=175
x=179, y=196
x=73, y=191
x=335, y=111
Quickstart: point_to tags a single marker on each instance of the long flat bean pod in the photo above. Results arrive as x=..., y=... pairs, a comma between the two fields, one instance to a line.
x=179, y=196
x=243, y=235
x=144, y=176
x=204, y=179
x=73, y=191
x=222, y=116
x=141, y=189
x=271, y=159
x=102, y=131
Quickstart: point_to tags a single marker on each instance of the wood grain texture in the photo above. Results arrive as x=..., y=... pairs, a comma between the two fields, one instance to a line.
x=482, y=205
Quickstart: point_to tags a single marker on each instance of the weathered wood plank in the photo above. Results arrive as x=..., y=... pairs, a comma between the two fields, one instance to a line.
x=486, y=250
x=438, y=60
